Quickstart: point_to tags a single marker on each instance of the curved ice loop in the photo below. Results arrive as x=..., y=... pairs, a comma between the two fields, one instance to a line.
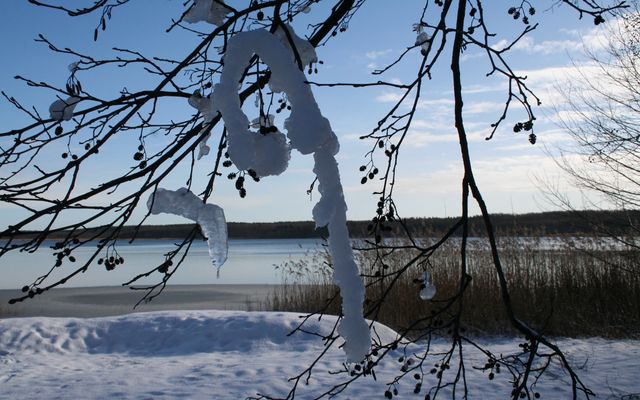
x=306, y=128
x=210, y=217
x=309, y=132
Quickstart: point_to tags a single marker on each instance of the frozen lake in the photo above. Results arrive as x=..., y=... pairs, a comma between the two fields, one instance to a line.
x=250, y=261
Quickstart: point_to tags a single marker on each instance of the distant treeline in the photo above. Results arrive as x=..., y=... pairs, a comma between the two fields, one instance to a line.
x=547, y=223
x=580, y=222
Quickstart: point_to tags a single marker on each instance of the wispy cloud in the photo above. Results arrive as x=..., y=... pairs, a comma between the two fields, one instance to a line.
x=422, y=136
x=546, y=47
x=375, y=54
x=445, y=106
x=592, y=39
x=501, y=44
x=471, y=55
x=388, y=97
x=444, y=101
x=482, y=107
x=549, y=82
x=509, y=174
x=479, y=89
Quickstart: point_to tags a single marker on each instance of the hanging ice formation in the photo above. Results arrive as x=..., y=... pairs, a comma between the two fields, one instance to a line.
x=428, y=289
x=210, y=217
x=423, y=39
x=308, y=132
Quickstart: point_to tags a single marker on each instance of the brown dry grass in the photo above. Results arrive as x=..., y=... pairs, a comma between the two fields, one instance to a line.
x=559, y=291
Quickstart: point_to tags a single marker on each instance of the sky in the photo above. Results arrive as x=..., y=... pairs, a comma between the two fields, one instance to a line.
x=510, y=171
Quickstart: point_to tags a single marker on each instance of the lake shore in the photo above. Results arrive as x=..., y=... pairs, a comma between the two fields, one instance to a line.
x=86, y=302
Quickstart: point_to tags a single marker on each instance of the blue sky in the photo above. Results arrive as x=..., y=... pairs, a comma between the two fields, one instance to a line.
x=507, y=167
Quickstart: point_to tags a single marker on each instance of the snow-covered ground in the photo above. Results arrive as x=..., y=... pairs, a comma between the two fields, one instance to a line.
x=235, y=354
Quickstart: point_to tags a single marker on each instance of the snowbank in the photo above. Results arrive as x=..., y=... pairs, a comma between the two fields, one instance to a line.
x=234, y=354
x=164, y=333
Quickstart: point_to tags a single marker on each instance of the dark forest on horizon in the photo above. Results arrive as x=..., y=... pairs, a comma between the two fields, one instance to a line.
x=587, y=222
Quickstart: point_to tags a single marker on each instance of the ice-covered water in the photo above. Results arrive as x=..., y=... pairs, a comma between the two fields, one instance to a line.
x=250, y=261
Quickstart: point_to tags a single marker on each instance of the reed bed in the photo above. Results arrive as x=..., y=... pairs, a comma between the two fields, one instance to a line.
x=561, y=286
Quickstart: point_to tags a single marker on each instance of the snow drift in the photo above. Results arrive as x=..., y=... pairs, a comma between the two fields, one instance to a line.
x=234, y=354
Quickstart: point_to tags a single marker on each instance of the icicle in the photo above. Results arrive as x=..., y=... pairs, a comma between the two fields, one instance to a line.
x=210, y=217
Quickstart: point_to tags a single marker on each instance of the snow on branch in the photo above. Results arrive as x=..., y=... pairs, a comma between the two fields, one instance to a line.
x=309, y=132
x=210, y=217
x=210, y=11
x=306, y=51
x=63, y=109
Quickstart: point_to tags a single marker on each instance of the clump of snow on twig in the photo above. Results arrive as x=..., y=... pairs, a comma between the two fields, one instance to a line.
x=63, y=109
x=422, y=39
x=73, y=67
x=205, y=107
x=211, y=11
x=210, y=217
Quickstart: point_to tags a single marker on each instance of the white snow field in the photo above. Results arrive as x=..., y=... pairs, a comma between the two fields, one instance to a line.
x=235, y=354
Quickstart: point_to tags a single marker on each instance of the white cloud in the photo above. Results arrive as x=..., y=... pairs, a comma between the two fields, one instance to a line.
x=597, y=38
x=422, y=135
x=471, y=55
x=501, y=44
x=546, y=138
x=482, y=107
x=509, y=174
x=350, y=136
x=437, y=102
x=559, y=76
x=593, y=39
x=375, y=54
x=389, y=97
x=546, y=47
x=422, y=138
x=478, y=89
